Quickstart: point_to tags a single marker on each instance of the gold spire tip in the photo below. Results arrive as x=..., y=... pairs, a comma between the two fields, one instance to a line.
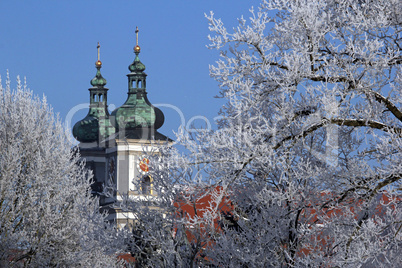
x=137, y=47
x=98, y=62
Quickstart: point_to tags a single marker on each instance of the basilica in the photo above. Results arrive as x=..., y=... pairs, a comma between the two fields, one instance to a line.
x=112, y=144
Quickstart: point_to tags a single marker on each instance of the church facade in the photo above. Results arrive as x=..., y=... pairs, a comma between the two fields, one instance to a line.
x=112, y=144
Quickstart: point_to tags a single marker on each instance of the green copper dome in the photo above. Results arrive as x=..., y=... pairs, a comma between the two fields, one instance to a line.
x=137, y=118
x=98, y=80
x=137, y=66
x=86, y=130
x=96, y=125
x=137, y=112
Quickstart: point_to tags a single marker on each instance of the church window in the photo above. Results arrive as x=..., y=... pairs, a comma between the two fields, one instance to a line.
x=146, y=185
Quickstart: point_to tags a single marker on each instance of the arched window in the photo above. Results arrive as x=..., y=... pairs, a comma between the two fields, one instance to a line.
x=146, y=185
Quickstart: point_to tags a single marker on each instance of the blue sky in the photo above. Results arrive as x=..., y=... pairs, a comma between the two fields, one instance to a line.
x=53, y=45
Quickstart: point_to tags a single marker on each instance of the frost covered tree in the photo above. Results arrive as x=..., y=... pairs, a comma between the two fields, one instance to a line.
x=308, y=149
x=47, y=215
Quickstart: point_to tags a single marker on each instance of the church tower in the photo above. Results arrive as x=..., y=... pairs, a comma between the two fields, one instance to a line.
x=113, y=144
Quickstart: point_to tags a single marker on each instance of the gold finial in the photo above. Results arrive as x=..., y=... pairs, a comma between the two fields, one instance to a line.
x=137, y=47
x=98, y=63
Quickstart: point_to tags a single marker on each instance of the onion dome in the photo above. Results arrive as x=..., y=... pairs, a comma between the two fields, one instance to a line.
x=98, y=80
x=137, y=113
x=137, y=66
x=96, y=125
x=86, y=130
